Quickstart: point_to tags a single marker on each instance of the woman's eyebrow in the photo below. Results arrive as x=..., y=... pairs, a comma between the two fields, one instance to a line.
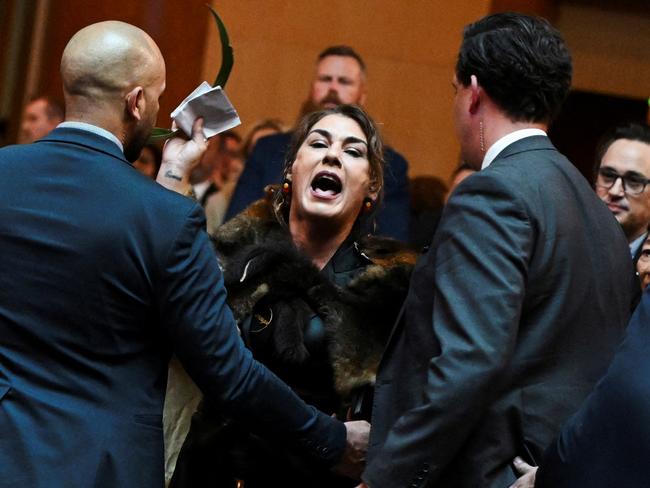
x=322, y=132
x=353, y=139
x=347, y=140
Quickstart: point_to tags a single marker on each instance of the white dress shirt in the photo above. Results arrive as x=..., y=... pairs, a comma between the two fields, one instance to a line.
x=505, y=141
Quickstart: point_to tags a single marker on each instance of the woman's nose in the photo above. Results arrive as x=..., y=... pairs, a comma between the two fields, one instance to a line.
x=333, y=155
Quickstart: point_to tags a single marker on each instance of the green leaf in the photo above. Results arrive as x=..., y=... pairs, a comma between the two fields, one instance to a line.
x=160, y=134
x=227, y=57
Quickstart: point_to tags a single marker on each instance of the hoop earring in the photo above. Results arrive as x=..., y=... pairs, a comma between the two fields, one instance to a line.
x=367, y=204
x=286, y=187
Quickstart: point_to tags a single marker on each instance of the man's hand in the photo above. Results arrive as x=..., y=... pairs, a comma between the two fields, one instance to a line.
x=528, y=472
x=354, y=457
x=179, y=158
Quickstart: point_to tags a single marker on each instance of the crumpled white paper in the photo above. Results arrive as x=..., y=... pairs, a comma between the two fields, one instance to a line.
x=212, y=104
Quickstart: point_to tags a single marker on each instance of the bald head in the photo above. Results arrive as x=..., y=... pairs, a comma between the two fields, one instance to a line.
x=113, y=74
x=107, y=59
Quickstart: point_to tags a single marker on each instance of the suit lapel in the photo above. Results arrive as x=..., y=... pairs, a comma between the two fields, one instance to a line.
x=424, y=263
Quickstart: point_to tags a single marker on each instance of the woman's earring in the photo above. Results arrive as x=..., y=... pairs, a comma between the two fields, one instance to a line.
x=367, y=204
x=286, y=187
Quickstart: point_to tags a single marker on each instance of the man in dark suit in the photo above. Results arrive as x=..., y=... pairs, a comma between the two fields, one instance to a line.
x=104, y=274
x=607, y=442
x=622, y=177
x=516, y=309
x=340, y=78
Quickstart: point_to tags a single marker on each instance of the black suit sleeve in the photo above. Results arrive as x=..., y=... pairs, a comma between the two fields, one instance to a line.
x=192, y=301
x=481, y=258
x=607, y=442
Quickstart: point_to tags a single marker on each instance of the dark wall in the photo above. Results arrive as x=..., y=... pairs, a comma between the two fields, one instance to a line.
x=585, y=117
x=16, y=26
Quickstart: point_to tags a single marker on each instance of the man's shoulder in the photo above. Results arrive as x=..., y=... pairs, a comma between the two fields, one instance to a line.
x=20, y=152
x=269, y=152
x=276, y=142
x=533, y=162
x=394, y=157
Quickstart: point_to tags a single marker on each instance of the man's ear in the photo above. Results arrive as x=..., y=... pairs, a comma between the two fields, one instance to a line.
x=476, y=93
x=135, y=102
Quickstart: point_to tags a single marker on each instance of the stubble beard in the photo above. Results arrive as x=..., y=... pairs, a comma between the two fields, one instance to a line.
x=134, y=146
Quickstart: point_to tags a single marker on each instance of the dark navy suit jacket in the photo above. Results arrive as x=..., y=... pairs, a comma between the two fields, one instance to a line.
x=607, y=442
x=511, y=318
x=103, y=274
x=264, y=167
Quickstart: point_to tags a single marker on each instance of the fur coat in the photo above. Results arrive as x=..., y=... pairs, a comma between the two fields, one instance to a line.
x=264, y=270
x=268, y=277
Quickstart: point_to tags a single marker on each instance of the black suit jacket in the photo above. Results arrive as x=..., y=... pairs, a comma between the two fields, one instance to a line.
x=104, y=273
x=264, y=167
x=607, y=442
x=511, y=317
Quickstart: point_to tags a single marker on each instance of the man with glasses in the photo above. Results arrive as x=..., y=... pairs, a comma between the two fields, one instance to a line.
x=623, y=172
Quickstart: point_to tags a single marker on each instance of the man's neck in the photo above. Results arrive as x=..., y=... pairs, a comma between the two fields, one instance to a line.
x=495, y=127
x=99, y=113
x=500, y=127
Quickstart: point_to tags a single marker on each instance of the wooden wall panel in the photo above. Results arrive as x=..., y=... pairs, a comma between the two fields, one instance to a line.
x=16, y=25
x=409, y=47
x=609, y=48
x=179, y=29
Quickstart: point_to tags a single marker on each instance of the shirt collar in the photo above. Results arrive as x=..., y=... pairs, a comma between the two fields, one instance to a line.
x=94, y=129
x=505, y=141
x=637, y=243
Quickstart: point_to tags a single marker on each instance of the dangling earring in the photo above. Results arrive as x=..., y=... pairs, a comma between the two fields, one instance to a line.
x=286, y=186
x=367, y=204
x=481, y=135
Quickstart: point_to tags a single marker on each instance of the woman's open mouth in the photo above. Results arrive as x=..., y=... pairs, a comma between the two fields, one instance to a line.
x=326, y=185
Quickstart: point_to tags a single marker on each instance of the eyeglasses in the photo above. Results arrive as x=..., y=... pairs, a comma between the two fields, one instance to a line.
x=633, y=184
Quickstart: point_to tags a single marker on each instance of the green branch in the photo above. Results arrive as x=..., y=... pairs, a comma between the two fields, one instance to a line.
x=227, y=62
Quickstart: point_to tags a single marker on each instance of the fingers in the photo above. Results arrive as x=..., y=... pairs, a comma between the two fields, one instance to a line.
x=528, y=472
x=358, y=432
x=353, y=461
x=522, y=466
x=197, y=132
x=180, y=155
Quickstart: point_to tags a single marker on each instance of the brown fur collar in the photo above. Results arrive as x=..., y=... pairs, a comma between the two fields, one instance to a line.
x=259, y=261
